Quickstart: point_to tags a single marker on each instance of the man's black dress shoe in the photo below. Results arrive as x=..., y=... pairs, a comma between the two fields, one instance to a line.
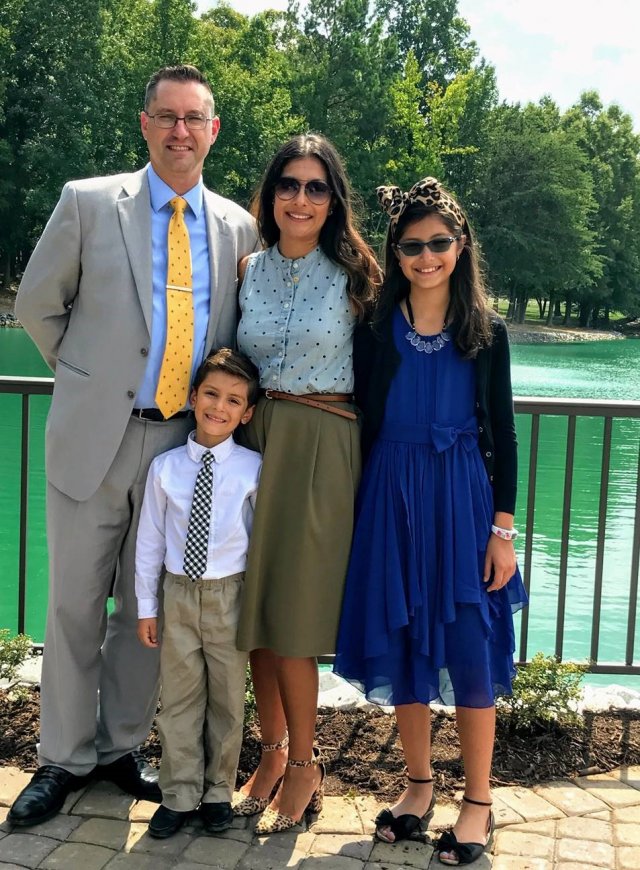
x=44, y=796
x=133, y=775
x=216, y=817
x=165, y=822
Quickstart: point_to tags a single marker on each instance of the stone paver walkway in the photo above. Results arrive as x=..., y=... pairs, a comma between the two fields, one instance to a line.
x=593, y=821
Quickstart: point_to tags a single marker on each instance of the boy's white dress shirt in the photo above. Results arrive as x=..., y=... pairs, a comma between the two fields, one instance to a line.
x=166, y=508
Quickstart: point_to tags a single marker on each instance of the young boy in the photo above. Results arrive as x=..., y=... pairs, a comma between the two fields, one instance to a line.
x=196, y=519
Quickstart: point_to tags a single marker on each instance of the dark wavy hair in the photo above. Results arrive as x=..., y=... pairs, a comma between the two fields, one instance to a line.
x=339, y=237
x=468, y=313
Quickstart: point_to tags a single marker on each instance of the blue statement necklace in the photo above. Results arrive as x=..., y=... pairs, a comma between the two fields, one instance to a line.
x=422, y=344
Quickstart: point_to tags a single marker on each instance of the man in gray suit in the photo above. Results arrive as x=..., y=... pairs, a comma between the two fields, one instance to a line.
x=94, y=298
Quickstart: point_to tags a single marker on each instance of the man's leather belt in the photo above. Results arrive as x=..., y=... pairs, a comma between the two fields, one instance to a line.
x=316, y=400
x=156, y=415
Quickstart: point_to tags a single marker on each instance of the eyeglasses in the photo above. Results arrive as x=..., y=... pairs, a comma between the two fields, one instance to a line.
x=167, y=120
x=318, y=192
x=436, y=246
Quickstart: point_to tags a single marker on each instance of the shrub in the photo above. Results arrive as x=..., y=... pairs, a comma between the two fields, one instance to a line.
x=13, y=652
x=545, y=691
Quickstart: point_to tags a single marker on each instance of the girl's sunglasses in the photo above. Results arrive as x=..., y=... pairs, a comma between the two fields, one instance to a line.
x=436, y=246
x=318, y=192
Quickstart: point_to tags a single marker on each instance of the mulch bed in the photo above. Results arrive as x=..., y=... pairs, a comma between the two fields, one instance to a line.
x=364, y=755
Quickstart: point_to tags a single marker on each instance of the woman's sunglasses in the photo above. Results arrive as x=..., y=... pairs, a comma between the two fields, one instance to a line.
x=436, y=246
x=318, y=192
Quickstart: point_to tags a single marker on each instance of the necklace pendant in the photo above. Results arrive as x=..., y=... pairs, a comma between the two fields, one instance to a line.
x=425, y=346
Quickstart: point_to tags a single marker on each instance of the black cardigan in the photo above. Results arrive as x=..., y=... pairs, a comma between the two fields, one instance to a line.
x=375, y=362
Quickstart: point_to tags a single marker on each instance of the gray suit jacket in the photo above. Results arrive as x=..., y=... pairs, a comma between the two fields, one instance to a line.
x=86, y=301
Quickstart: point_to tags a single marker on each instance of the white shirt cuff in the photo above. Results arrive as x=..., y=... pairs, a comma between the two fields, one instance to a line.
x=147, y=608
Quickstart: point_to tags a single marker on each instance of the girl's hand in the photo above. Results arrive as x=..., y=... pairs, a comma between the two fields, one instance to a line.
x=148, y=632
x=501, y=557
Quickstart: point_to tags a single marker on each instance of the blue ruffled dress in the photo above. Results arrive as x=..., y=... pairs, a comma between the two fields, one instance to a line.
x=417, y=623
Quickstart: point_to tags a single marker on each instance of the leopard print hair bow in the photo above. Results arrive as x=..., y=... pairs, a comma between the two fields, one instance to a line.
x=428, y=192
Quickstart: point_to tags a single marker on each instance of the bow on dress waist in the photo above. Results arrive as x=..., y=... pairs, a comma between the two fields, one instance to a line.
x=432, y=434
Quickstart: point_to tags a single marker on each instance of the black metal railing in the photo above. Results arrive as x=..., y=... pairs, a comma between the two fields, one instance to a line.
x=571, y=409
x=535, y=408
x=24, y=387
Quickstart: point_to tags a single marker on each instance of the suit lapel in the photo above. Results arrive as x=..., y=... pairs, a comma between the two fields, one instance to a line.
x=222, y=268
x=134, y=210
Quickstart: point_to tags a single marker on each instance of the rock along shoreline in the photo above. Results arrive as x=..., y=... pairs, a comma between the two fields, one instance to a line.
x=518, y=333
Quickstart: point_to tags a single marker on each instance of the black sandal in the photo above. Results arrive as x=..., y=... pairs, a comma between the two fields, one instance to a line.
x=467, y=852
x=406, y=826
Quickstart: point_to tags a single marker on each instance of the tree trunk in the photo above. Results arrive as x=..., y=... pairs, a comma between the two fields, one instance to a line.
x=521, y=308
x=557, y=311
x=586, y=310
x=551, y=310
x=6, y=281
x=567, y=312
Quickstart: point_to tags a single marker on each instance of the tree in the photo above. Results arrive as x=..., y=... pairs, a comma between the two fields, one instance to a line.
x=173, y=28
x=434, y=33
x=124, y=67
x=251, y=77
x=343, y=81
x=611, y=149
x=534, y=204
x=50, y=108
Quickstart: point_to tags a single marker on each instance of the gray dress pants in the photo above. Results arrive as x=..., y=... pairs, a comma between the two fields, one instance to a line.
x=99, y=684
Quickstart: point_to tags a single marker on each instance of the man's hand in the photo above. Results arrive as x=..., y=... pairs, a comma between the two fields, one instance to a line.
x=148, y=632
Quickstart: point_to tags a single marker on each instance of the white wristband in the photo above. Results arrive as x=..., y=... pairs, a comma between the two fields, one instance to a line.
x=505, y=534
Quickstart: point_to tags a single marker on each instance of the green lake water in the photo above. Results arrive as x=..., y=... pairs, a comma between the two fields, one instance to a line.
x=605, y=369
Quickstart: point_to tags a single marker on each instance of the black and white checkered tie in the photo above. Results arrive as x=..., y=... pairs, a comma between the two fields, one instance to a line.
x=196, y=548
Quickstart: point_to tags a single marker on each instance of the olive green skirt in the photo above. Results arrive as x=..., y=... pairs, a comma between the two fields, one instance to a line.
x=302, y=527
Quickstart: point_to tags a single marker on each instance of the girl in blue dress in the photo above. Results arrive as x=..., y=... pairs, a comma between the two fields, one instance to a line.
x=432, y=581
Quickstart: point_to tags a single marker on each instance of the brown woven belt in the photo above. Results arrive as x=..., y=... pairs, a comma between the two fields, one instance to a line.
x=317, y=400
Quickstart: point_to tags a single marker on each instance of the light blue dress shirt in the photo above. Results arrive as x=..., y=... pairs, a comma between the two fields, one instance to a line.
x=195, y=219
x=297, y=323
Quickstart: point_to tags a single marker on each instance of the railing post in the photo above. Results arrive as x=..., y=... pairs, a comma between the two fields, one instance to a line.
x=602, y=524
x=564, y=540
x=633, y=581
x=24, y=513
x=528, y=545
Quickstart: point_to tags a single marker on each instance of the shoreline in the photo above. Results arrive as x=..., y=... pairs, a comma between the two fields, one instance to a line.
x=520, y=333
x=533, y=333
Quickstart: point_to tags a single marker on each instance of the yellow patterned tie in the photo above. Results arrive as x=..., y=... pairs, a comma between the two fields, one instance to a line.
x=175, y=371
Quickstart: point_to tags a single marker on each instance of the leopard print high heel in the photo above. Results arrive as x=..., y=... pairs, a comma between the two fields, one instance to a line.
x=249, y=805
x=274, y=822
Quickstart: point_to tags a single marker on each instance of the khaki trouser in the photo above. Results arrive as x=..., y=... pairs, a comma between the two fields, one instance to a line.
x=203, y=685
